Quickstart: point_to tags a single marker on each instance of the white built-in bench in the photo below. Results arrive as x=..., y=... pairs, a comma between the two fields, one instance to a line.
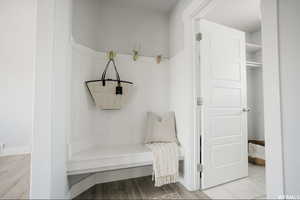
x=100, y=165
x=99, y=159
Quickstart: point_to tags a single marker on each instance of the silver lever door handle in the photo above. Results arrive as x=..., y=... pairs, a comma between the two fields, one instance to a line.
x=246, y=110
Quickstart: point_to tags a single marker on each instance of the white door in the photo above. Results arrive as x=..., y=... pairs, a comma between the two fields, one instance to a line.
x=223, y=89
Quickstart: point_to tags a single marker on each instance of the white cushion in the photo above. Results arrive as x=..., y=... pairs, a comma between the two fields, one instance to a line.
x=161, y=129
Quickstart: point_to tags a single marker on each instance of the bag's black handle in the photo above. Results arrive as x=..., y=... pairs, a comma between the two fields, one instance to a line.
x=105, y=70
x=119, y=89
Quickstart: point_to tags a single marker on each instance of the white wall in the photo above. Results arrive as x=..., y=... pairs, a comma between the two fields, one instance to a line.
x=17, y=65
x=52, y=100
x=289, y=31
x=120, y=26
x=255, y=91
x=61, y=98
x=272, y=104
x=180, y=103
x=182, y=90
x=41, y=143
x=255, y=103
x=92, y=126
x=176, y=27
x=254, y=37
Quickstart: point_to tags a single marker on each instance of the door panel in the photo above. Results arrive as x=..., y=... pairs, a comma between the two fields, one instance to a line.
x=226, y=67
x=225, y=97
x=226, y=154
x=223, y=89
x=225, y=126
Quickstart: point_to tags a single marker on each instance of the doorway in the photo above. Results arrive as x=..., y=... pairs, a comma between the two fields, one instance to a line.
x=232, y=120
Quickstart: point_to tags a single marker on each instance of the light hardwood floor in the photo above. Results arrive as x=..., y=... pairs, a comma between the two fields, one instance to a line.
x=15, y=177
x=15, y=184
x=251, y=187
x=139, y=188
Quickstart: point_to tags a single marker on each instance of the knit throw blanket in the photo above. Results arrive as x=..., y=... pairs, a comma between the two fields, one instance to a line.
x=165, y=162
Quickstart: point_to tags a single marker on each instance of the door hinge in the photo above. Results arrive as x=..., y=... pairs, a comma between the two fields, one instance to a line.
x=199, y=37
x=199, y=167
x=199, y=101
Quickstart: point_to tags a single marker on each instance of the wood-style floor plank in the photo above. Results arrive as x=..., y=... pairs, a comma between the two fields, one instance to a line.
x=139, y=188
x=15, y=177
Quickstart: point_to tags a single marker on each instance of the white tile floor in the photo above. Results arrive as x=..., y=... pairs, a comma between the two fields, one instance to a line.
x=252, y=187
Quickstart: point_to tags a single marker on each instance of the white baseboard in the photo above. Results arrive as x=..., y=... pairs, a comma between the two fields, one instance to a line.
x=16, y=151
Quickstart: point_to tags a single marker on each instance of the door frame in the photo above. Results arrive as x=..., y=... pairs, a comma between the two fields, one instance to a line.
x=271, y=84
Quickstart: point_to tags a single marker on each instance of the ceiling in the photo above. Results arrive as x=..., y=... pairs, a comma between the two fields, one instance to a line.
x=239, y=14
x=164, y=6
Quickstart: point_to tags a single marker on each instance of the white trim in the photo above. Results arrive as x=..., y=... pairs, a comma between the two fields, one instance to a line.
x=16, y=151
x=194, y=11
x=272, y=100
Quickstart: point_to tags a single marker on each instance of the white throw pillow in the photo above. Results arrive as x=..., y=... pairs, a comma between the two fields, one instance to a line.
x=161, y=129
